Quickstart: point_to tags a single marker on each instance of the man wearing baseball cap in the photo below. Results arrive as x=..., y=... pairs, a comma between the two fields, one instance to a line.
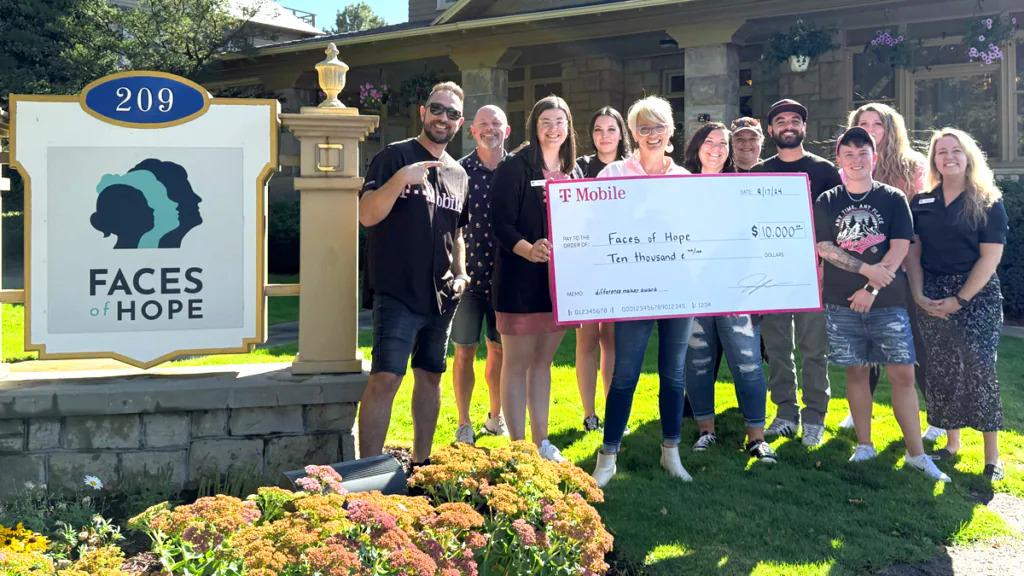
x=747, y=141
x=787, y=128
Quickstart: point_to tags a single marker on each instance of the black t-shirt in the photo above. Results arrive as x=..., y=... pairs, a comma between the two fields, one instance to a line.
x=822, y=173
x=409, y=252
x=863, y=225
x=949, y=244
x=590, y=166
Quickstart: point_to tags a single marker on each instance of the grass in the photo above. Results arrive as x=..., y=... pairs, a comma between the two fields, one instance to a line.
x=812, y=514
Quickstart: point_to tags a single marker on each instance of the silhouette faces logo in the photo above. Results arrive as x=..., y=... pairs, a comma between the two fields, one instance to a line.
x=150, y=206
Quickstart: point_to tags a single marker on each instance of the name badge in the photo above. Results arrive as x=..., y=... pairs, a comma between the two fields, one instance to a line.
x=926, y=200
x=538, y=183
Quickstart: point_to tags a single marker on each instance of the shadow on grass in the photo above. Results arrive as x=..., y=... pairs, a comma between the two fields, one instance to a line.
x=812, y=513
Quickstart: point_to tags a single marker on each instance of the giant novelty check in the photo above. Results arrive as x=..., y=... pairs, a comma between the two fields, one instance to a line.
x=656, y=247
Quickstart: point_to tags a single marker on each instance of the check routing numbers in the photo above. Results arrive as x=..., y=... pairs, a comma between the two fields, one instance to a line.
x=691, y=244
x=144, y=99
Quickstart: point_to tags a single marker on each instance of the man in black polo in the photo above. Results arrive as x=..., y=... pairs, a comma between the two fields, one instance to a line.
x=413, y=204
x=787, y=126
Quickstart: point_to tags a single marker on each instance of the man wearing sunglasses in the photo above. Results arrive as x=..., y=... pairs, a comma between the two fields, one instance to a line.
x=413, y=204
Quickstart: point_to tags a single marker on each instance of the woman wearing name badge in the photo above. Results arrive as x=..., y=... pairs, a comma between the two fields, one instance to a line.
x=521, y=292
x=650, y=122
x=608, y=134
x=904, y=168
x=960, y=229
x=736, y=334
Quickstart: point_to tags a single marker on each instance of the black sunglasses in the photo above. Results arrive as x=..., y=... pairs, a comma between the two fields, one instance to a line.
x=438, y=109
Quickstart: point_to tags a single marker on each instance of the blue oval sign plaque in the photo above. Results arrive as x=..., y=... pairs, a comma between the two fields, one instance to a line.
x=144, y=99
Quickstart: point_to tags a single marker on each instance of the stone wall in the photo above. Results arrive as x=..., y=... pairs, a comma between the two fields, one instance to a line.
x=263, y=421
x=589, y=83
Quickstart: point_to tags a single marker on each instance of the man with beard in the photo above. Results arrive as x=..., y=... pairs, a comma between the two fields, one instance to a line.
x=413, y=204
x=787, y=128
x=489, y=129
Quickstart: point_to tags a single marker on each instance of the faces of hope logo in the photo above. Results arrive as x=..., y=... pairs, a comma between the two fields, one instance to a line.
x=154, y=206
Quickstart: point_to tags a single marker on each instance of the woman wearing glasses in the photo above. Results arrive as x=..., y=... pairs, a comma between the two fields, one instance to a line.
x=521, y=292
x=650, y=122
x=611, y=143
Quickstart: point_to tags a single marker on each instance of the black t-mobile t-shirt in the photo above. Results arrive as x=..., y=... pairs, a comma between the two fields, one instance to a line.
x=822, y=173
x=409, y=252
x=863, y=225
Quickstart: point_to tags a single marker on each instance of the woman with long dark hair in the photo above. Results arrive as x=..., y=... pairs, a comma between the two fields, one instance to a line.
x=611, y=143
x=521, y=293
x=960, y=229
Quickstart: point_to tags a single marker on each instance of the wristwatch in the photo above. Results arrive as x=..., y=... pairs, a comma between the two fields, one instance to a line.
x=963, y=303
x=871, y=289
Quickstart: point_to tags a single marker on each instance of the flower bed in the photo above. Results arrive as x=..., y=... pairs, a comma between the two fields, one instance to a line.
x=502, y=511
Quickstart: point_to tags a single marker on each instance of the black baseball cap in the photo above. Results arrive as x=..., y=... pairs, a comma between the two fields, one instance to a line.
x=854, y=133
x=787, y=105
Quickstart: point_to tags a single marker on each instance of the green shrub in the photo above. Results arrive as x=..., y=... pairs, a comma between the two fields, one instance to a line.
x=283, y=237
x=1011, y=269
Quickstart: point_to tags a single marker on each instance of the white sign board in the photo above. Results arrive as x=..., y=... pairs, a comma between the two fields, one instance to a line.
x=656, y=247
x=145, y=233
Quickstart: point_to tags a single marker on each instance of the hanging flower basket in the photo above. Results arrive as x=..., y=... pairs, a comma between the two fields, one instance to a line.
x=889, y=48
x=373, y=97
x=798, y=45
x=986, y=38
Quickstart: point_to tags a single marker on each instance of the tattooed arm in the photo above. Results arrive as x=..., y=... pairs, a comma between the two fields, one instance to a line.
x=877, y=274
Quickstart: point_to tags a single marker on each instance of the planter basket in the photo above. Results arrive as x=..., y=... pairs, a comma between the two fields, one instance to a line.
x=799, y=63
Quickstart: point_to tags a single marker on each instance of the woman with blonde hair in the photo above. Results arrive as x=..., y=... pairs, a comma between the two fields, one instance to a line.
x=960, y=229
x=902, y=167
x=650, y=122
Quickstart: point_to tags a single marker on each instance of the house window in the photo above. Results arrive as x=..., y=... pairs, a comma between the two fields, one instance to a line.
x=444, y=4
x=965, y=99
x=1019, y=79
x=526, y=85
x=673, y=86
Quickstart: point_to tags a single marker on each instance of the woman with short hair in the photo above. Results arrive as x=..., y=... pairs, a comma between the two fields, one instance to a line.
x=650, y=122
x=960, y=229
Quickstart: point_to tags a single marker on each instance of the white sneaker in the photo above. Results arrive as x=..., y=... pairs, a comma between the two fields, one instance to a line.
x=671, y=463
x=847, y=423
x=464, y=434
x=863, y=452
x=549, y=452
x=812, y=435
x=925, y=464
x=933, y=433
x=781, y=427
x=605, y=468
x=495, y=426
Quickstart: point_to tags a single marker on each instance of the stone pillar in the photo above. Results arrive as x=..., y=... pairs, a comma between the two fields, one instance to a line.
x=484, y=80
x=712, y=70
x=328, y=185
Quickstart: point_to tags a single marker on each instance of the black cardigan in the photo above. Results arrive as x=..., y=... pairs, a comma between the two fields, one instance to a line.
x=518, y=212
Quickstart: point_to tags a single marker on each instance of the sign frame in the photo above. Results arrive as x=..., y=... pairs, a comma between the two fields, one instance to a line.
x=258, y=188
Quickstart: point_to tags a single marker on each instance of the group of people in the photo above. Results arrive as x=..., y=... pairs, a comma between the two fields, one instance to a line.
x=908, y=251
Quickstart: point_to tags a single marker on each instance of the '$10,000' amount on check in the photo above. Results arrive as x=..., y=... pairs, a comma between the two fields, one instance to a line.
x=681, y=246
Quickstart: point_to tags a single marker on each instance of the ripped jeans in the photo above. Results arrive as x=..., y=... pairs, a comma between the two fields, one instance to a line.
x=741, y=341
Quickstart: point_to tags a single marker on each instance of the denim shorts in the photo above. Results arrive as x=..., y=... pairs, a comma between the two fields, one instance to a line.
x=474, y=310
x=399, y=332
x=880, y=336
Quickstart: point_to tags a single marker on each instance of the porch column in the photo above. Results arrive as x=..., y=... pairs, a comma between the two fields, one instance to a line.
x=484, y=80
x=712, y=73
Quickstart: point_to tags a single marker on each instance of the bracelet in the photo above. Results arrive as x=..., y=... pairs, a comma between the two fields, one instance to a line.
x=963, y=303
x=871, y=289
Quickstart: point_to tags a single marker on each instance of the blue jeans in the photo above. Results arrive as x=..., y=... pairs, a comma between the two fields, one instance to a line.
x=630, y=345
x=741, y=341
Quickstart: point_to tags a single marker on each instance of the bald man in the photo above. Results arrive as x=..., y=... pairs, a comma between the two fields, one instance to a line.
x=490, y=129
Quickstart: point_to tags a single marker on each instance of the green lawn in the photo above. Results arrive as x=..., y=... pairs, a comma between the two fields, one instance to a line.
x=813, y=513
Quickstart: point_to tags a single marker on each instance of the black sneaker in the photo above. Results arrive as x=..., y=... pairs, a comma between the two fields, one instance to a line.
x=705, y=441
x=762, y=451
x=591, y=423
x=994, y=471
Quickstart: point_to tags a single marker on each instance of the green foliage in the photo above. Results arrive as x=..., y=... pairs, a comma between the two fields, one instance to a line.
x=283, y=237
x=54, y=46
x=415, y=89
x=1011, y=269
x=356, y=17
x=802, y=39
x=237, y=482
x=47, y=512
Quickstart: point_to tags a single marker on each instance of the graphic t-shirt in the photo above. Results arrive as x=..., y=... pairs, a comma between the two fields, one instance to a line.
x=863, y=225
x=409, y=253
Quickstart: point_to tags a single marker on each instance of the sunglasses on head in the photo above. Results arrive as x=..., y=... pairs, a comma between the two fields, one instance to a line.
x=438, y=109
